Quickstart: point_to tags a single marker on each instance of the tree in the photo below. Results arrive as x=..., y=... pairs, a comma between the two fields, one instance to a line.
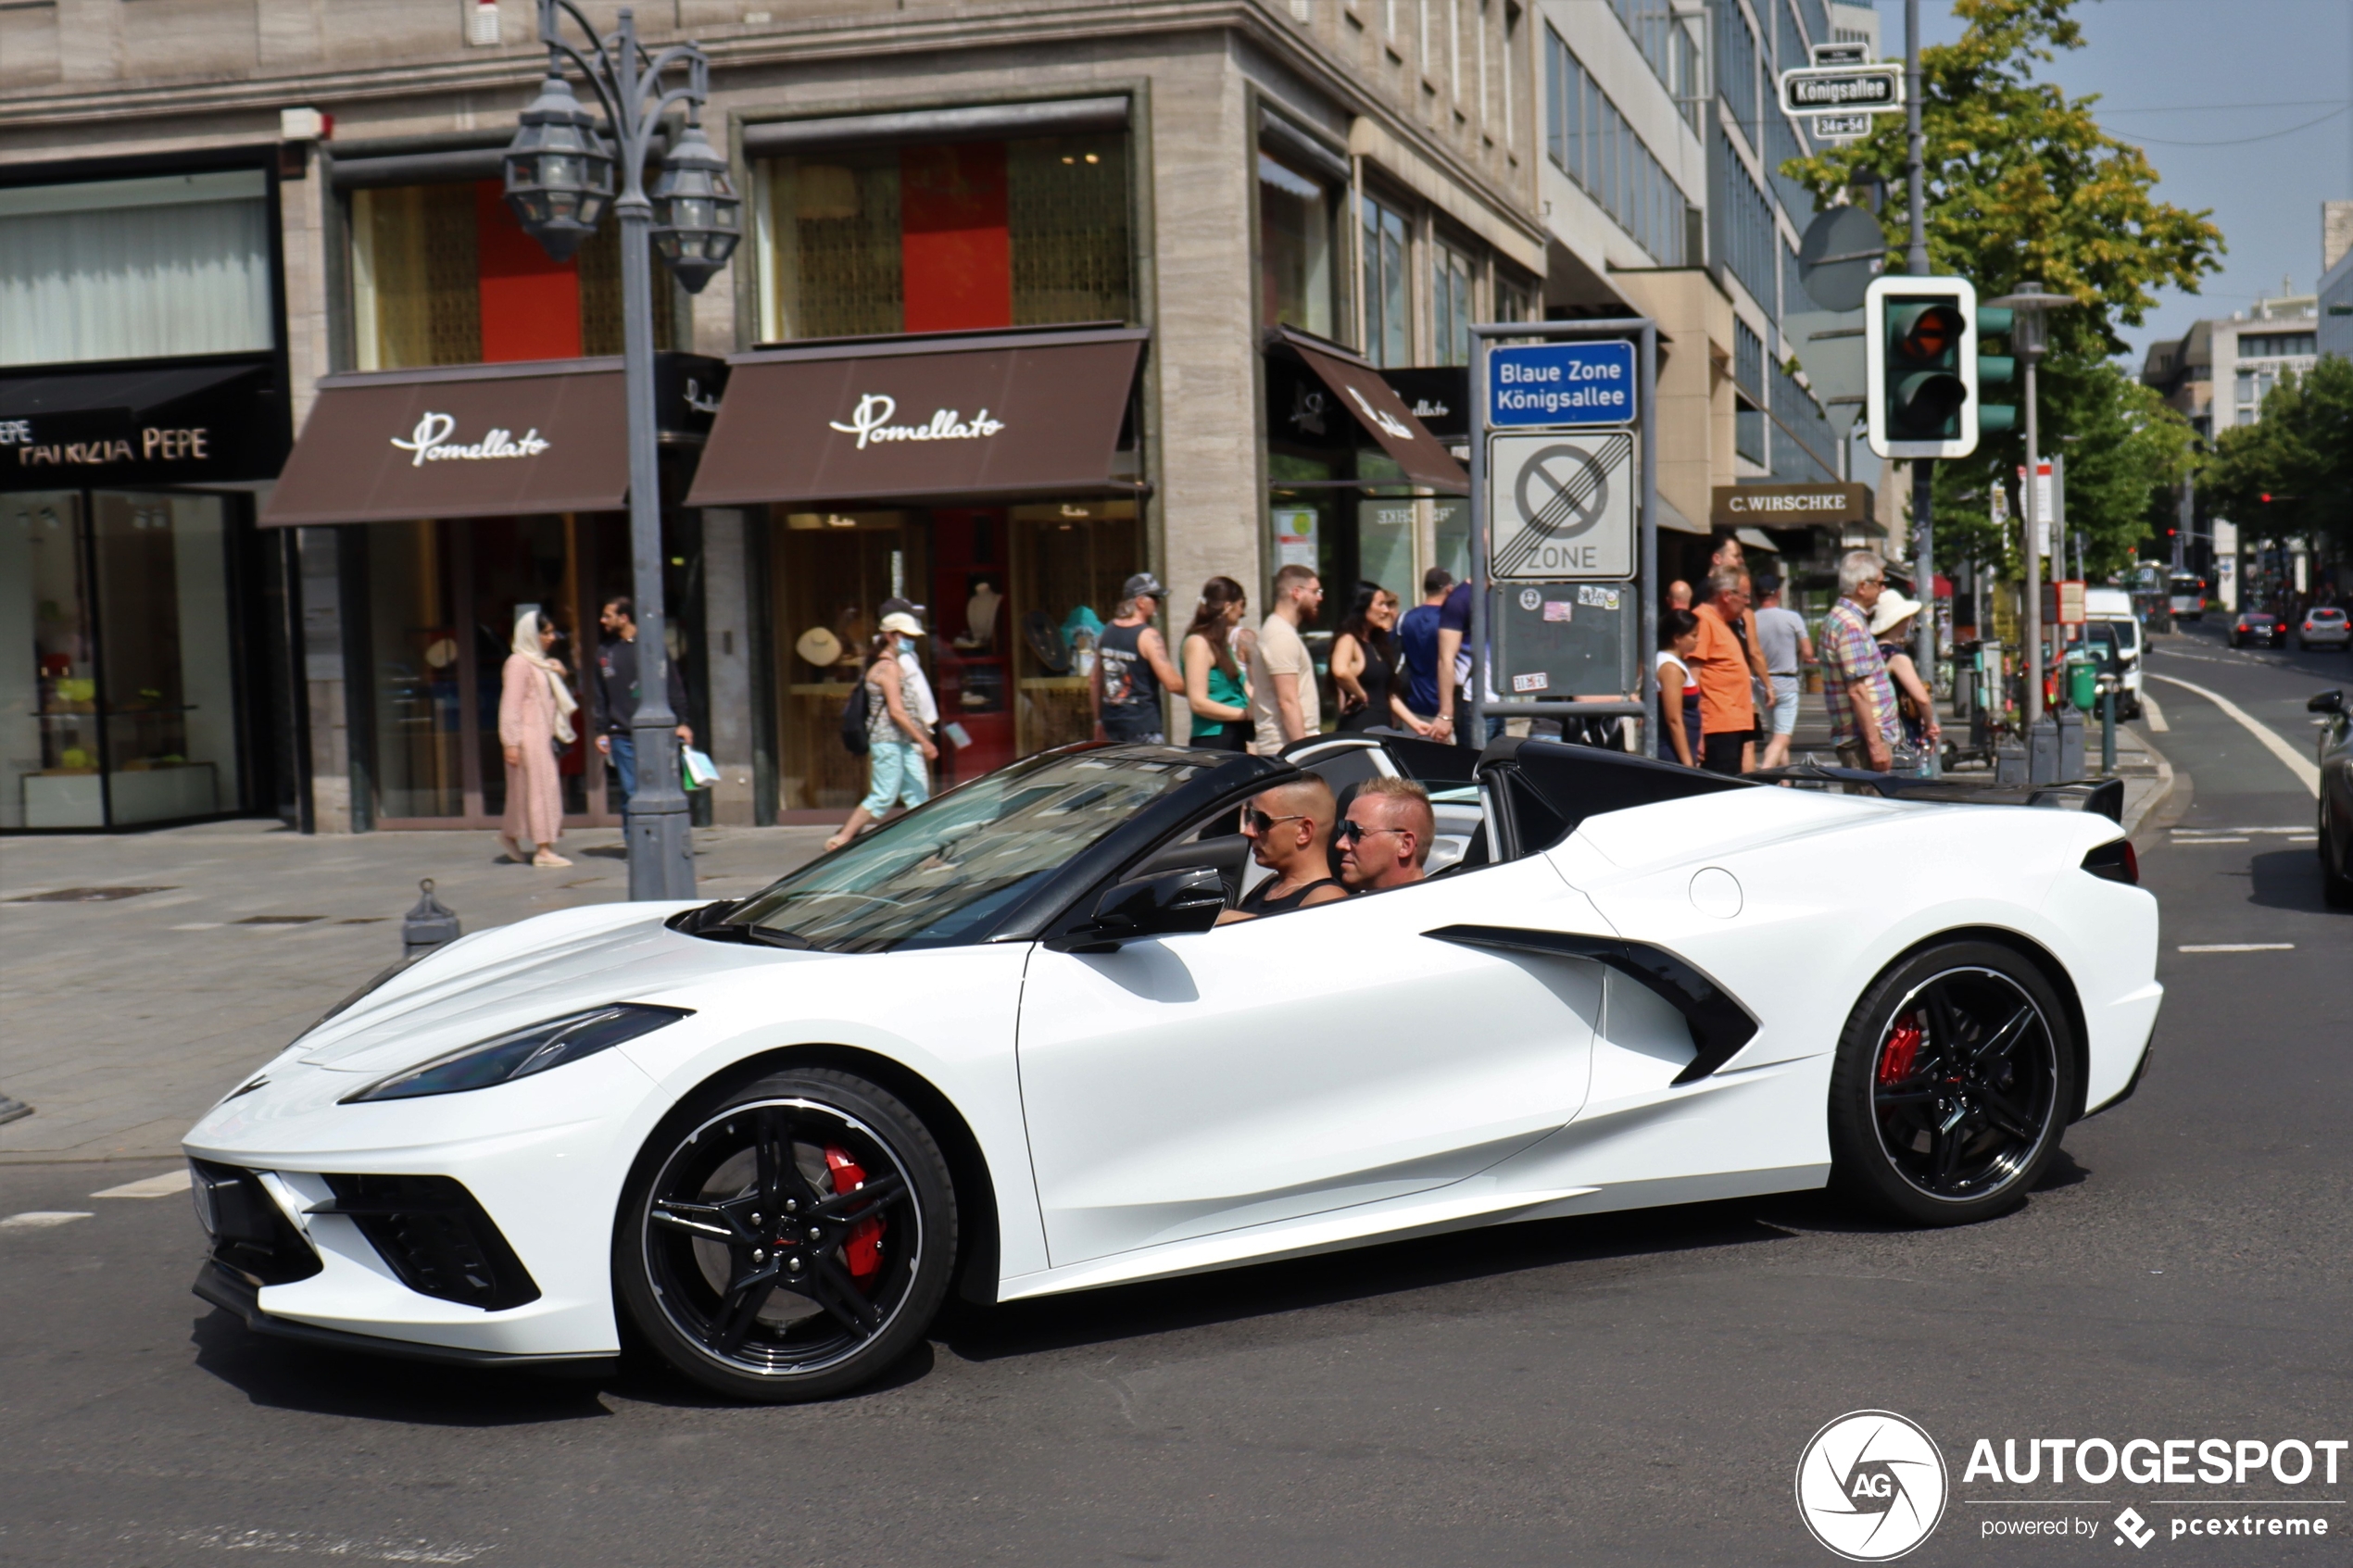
x=2021, y=183
x=2291, y=472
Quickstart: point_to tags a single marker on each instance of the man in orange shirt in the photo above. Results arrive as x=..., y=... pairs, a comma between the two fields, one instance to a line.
x=1720, y=666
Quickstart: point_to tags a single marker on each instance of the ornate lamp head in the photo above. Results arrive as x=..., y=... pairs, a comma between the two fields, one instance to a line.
x=559, y=170
x=696, y=213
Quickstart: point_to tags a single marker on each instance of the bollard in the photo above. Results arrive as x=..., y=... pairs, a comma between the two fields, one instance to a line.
x=2107, y=730
x=428, y=925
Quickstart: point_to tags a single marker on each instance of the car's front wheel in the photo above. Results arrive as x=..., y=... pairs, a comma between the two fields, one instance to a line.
x=789, y=1241
x=1953, y=1084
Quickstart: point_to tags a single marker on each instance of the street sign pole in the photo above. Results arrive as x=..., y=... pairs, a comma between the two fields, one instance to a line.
x=1644, y=333
x=1923, y=475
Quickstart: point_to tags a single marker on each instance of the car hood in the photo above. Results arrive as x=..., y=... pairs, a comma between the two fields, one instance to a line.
x=520, y=975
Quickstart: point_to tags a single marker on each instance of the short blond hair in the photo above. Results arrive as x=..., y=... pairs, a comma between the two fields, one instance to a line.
x=1426, y=827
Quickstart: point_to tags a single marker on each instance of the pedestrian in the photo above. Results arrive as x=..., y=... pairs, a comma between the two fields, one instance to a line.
x=1289, y=829
x=612, y=695
x=1365, y=664
x=917, y=694
x=1454, y=657
x=1132, y=668
x=1283, y=702
x=898, y=745
x=1215, y=689
x=1678, y=729
x=1418, y=646
x=1679, y=594
x=535, y=706
x=1385, y=840
x=1781, y=635
x=1864, y=724
x=1726, y=708
x=1892, y=621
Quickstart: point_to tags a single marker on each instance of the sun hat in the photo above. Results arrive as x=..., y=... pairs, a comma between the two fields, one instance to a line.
x=1892, y=608
x=819, y=647
x=906, y=625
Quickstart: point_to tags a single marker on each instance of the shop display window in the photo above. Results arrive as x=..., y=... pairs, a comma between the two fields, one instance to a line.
x=118, y=692
x=832, y=571
x=443, y=275
x=959, y=236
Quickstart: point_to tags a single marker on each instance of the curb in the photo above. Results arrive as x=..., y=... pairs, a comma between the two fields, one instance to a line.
x=2152, y=810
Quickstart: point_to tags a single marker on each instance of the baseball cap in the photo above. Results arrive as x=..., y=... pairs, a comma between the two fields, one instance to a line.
x=1143, y=582
x=906, y=625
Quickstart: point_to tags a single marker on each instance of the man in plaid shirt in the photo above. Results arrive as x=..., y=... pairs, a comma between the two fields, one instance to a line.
x=1864, y=723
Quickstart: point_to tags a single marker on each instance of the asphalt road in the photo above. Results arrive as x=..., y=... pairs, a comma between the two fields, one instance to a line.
x=1634, y=1388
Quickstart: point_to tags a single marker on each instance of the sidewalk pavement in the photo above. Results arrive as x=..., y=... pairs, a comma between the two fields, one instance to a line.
x=128, y=1017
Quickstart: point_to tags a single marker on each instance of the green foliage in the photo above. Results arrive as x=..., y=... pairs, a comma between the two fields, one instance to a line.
x=2300, y=454
x=2021, y=183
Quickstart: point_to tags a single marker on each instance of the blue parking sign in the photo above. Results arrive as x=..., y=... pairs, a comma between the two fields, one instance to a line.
x=1555, y=385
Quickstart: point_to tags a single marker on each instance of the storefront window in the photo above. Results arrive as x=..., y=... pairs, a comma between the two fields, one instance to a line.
x=1388, y=316
x=136, y=268
x=1295, y=248
x=121, y=705
x=963, y=236
x=443, y=275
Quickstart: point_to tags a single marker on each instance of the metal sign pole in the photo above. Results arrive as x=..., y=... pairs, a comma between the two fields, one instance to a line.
x=1474, y=722
x=1645, y=659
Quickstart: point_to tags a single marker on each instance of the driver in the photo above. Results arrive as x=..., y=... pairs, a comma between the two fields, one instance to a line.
x=1386, y=838
x=1289, y=829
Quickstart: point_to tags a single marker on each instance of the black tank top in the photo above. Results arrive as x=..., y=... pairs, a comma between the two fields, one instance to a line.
x=1375, y=678
x=1256, y=902
x=1128, y=681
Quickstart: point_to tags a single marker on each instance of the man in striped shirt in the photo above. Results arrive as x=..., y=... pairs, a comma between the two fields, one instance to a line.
x=1861, y=698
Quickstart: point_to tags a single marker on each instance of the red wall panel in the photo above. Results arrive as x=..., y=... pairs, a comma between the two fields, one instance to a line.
x=530, y=305
x=955, y=256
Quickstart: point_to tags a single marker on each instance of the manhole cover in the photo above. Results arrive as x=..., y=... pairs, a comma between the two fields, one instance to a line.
x=86, y=894
x=277, y=920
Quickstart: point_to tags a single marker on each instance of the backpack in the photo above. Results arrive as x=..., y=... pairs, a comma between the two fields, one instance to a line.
x=853, y=719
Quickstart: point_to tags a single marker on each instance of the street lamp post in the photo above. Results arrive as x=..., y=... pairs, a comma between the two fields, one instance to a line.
x=559, y=173
x=2028, y=343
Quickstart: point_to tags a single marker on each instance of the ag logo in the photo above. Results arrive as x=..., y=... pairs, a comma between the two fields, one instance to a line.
x=1870, y=1485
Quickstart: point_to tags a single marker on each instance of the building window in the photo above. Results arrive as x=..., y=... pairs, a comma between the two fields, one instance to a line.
x=1389, y=311
x=1744, y=221
x=1783, y=143
x=1514, y=298
x=1667, y=45
x=2277, y=345
x=443, y=275
x=1295, y=213
x=136, y=268
x=956, y=237
x=1593, y=144
x=1748, y=360
x=1450, y=296
x=1736, y=54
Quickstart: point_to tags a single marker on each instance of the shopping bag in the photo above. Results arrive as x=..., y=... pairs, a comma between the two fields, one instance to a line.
x=695, y=771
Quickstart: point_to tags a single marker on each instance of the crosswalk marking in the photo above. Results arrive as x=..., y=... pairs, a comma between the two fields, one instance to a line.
x=151, y=1187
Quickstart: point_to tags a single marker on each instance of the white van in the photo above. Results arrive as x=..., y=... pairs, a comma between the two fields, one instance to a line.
x=2109, y=614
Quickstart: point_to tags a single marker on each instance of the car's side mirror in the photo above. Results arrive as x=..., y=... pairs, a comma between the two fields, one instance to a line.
x=1163, y=904
x=2327, y=702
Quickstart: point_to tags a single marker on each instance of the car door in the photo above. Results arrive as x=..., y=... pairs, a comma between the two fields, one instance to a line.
x=1304, y=1063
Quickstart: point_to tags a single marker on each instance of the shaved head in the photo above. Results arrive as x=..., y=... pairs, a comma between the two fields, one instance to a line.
x=1304, y=796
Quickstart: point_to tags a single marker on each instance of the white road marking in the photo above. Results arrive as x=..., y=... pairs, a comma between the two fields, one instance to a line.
x=199, y=925
x=42, y=1219
x=2151, y=714
x=2237, y=948
x=2209, y=841
x=2305, y=838
x=2307, y=773
x=153, y=1187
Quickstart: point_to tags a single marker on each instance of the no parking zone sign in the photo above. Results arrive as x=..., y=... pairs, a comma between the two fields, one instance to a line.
x=1560, y=506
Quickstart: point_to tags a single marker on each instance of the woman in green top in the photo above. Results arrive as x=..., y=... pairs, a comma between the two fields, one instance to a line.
x=1214, y=685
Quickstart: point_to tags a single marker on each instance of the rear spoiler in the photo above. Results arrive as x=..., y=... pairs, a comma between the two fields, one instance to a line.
x=2105, y=798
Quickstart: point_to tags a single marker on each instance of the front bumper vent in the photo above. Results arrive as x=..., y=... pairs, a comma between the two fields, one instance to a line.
x=436, y=1237
x=251, y=1235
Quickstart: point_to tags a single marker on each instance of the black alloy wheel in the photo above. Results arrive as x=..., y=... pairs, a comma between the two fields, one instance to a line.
x=790, y=1241
x=1953, y=1082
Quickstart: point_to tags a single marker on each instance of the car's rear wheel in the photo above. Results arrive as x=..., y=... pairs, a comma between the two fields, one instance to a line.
x=788, y=1241
x=1952, y=1089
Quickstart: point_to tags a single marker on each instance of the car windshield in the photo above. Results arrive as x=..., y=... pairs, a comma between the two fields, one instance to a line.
x=943, y=874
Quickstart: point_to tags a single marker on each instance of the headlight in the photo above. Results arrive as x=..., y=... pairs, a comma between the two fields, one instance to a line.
x=505, y=1058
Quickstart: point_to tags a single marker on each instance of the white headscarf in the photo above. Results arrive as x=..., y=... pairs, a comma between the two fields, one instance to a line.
x=526, y=646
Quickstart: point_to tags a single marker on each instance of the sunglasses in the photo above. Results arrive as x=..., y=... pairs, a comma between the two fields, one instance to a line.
x=1350, y=830
x=1258, y=821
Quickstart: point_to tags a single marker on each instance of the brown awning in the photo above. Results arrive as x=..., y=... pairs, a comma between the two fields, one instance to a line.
x=980, y=416
x=478, y=440
x=1376, y=407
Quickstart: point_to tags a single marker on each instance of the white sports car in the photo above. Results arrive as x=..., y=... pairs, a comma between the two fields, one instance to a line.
x=997, y=1048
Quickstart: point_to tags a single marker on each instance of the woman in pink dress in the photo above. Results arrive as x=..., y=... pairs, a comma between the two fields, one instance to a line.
x=534, y=720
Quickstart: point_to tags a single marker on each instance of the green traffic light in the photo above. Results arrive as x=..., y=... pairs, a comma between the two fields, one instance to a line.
x=1994, y=369
x=1994, y=321
x=1994, y=417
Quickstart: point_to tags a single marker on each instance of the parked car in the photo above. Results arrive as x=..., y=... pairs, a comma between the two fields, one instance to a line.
x=2255, y=626
x=2336, y=797
x=2325, y=626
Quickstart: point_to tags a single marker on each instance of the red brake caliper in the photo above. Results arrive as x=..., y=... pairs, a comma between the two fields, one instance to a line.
x=862, y=1250
x=1895, y=1057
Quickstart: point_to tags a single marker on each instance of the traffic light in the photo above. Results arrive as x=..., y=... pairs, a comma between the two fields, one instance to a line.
x=1920, y=345
x=1995, y=370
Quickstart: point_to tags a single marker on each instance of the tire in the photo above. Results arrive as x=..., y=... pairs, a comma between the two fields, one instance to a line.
x=1935, y=1132
x=2336, y=887
x=736, y=1301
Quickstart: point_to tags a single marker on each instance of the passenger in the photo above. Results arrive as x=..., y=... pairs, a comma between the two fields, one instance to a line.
x=1289, y=829
x=1386, y=838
